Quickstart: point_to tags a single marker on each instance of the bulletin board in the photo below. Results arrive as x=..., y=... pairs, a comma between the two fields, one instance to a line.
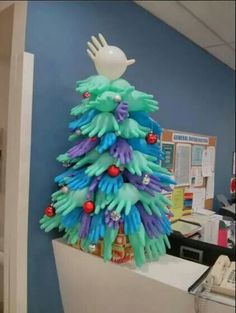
x=191, y=159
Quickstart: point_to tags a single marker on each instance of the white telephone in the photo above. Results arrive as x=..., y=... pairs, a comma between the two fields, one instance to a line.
x=221, y=280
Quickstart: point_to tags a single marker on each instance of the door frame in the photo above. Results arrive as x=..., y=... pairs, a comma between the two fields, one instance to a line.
x=17, y=170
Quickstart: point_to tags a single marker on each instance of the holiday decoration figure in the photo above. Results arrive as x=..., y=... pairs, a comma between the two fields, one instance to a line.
x=110, y=200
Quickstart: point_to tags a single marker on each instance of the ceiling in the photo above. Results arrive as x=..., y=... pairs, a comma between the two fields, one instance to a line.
x=210, y=24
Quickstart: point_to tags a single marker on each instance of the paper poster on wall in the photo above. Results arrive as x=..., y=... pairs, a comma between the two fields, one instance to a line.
x=190, y=138
x=199, y=196
x=196, y=176
x=212, y=153
x=168, y=162
x=197, y=155
x=178, y=203
x=183, y=164
x=210, y=186
x=206, y=163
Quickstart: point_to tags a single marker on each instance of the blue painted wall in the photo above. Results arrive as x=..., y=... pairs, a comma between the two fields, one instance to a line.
x=195, y=91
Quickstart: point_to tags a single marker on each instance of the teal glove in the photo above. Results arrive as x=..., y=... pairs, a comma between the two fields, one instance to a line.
x=65, y=158
x=88, y=158
x=137, y=241
x=100, y=165
x=152, y=249
x=72, y=234
x=141, y=163
x=84, y=244
x=72, y=200
x=127, y=196
x=101, y=200
x=74, y=137
x=95, y=84
x=129, y=128
x=48, y=223
x=120, y=85
x=80, y=108
x=105, y=102
x=156, y=204
x=102, y=123
x=109, y=238
x=140, y=101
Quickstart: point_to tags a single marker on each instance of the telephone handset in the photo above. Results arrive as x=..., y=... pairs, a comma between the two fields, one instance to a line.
x=221, y=280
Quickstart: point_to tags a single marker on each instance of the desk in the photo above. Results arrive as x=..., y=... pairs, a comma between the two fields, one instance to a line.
x=88, y=285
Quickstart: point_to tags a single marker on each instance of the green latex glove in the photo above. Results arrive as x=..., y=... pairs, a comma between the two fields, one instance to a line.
x=58, y=195
x=141, y=163
x=95, y=84
x=141, y=101
x=105, y=102
x=101, y=200
x=48, y=223
x=101, y=163
x=72, y=234
x=129, y=128
x=72, y=200
x=127, y=196
x=80, y=108
x=85, y=244
x=152, y=249
x=74, y=137
x=102, y=123
x=154, y=204
x=109, y=238
x=119, y=85
x=88, y=158
x=137, y=241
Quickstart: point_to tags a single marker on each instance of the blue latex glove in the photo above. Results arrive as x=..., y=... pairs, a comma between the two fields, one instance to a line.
x=83, y=120
x=60, y=179
x=164, y=178
x=132, y=221
x=142, y=146
x=72, y=218
x=110, y=184
x=143, y=119
x=79, y=181
x=107, y=141
x=97, y=228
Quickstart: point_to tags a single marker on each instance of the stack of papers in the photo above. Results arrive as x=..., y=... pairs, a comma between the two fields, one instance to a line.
x=186, y=229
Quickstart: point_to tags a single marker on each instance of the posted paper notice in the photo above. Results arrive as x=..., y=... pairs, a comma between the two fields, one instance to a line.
x=183, y=164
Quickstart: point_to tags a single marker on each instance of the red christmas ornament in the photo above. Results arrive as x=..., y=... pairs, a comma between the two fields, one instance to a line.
x=89, y=206
x=93, y=139
x=113, y=171
x=151, y=138
x=86, y=95
x=50, y=211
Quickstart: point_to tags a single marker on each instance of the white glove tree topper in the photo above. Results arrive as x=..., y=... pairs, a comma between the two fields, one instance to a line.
x=110, y=61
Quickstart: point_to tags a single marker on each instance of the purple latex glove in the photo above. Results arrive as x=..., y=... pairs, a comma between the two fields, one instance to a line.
x=93, y=187
x=83, y=147
x=150, y=222
x=122, y=151
x=121, y=111
x=85, y=224
x=166, y=188
x=112, y=219
x=147, y=183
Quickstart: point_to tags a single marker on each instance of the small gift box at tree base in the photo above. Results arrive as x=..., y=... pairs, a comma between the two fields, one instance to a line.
x=122, y=251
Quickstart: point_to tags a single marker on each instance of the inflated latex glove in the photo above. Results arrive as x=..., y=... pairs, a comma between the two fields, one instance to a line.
x=85, y=225
x=59, y=179
x=87, y=159
x=127, y=196
x=110, y=221
x=84, y=244
x=145, y=120
x=141, y=145
x=80, y=108
x=140, y=101
x=72, y=234
x=74, y=137
x=65, y=158
x=165, y=178
x=82, y=147
x=122, y=151
x=95, y=84
x=137, y=241
x=83, y=120
x=105, y=102
x=109, y=238
x=155, y=204
x=121, y=112
x=97, y=228
x=73, y=218
x=106, y=142
x=141, y=163
x=155, y=247
x=132, y=221
x=165, y=224
x=72, y=200
x=49, y=223
x=129, y=128
x=147, y=183
x=78, y=181
x=102, y=123
x=102, y=162
x=120, y=84
x=101, y=200
x=150, y=222
x=110, y=184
